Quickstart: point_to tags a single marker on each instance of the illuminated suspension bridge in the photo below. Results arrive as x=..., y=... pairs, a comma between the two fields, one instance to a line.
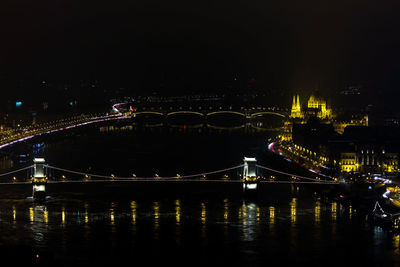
x=249, y=174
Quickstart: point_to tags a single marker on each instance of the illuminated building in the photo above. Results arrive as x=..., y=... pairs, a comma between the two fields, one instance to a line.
x=340, y=126
x=316, y=106
x=348, y=162
x=296, y=108
x=369, y=161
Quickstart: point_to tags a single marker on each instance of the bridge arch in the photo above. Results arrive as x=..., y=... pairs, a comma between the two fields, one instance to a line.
x=226, y=112
x=185, y=112
x=267, y=113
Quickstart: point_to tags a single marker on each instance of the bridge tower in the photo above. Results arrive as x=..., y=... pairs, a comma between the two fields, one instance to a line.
x=39, y=179
x=250, y=179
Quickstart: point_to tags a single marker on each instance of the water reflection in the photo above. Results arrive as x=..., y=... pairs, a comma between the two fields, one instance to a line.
x=226, y=217
x=86, y=213
x=112, y=213
x=133, y=211
x=379, y=237
x=63, y=216
x=317, y=211
x=293, y=210
x=14, y=211
x=271, y=217
x=178, y=212
x=203, y=213
x=39, y=218
x=334, y=210
x=156, y=208
x=350, y=212
x=205, y=223
x=226, y=211
x=334, y=216
x=396, y=244
x=250, y=221
x=45, y=216
x=31, y=215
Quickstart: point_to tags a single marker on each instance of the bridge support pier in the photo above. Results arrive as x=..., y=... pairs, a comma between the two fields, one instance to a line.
x=39, y=179
x=250, y=179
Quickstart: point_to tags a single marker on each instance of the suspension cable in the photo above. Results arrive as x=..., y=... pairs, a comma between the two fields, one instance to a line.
x=11, y=172
x=124, y=178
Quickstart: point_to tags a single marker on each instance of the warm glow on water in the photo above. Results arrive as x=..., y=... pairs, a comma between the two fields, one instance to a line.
x=263, y=228
x=63, y=215
x=14, y=214
x=293, y=210
x=334, y=210
x=156, y=211
x=31, y=215
x=178, y=212
x=226, y=210
x=271, y=216
x=317, y=211
x=203, y=213
x=133, y=211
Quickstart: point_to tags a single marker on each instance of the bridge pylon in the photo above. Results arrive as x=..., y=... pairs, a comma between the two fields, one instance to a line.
x=39, y=179
x=250, y=179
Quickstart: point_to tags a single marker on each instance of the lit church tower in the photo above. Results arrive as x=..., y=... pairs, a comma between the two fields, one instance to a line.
x=296, y=108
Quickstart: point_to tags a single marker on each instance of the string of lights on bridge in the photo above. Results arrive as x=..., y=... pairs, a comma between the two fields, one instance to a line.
x=202, y=175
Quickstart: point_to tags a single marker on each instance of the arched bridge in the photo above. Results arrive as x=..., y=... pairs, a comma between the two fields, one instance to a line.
x=248, y=113
x=245, y=114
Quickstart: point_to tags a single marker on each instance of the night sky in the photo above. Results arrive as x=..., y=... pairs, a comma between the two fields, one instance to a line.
x=152, y=43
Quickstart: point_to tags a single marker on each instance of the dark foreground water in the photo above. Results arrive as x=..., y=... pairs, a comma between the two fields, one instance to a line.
x=107, y=232
x=110, y=230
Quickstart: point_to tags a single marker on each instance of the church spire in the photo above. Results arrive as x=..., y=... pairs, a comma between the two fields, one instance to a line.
x=296, y=107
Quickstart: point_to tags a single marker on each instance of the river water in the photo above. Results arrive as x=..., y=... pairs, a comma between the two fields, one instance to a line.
x=205, y=231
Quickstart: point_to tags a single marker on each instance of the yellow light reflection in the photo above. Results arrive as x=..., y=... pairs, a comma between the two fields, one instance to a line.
x=226, y=210
x=396, y=244
x=45, y=216
x=334, y=210
x=86, y=213
x=14, y=214
x=203, y=213
x=63, y=215
x=244, y=214
x=350, y=212
x=31, y=215
x=156, y=214
x=112, y=216
x=133, y=210
x=271, y=216
x=293, y=210
x=178, y=211
x=112, y=213
x=317, y=211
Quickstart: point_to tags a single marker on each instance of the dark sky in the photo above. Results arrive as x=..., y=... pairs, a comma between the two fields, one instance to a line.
x=283, y=44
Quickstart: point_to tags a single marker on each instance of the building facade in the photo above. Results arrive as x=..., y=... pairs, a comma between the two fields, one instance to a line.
x=316, y=106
